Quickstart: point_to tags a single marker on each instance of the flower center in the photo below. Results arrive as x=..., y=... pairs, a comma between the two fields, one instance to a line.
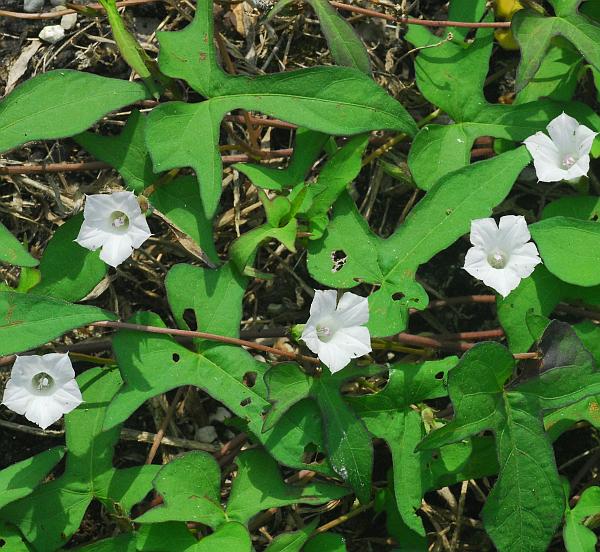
x=497, y=259
x=324, y=333
x=42, y=382
x=119, y=221
x=568, y=161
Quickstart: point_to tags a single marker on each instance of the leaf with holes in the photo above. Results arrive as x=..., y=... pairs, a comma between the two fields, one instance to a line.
x=89, y=473
x=520, y=513
x=436, y=222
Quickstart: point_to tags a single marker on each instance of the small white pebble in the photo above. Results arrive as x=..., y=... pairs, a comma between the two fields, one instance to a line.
x=52, y=34
x=220, y=415
x=32, y=6
x=67, y=22
x=206, y=434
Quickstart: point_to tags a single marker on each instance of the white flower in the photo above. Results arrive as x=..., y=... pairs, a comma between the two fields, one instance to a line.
x=337, y=334
x=501, y=255
x=43, y=388
x=115, y=223
x=565, y=155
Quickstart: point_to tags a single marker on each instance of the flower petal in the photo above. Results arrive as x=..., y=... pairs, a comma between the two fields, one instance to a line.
x=310, y=337
x=59, y=366
x=562, y=130
x=524, y=259
x=476, y=261
x=503, y=280
x=68, y=396
x=484, y=233
x=333, y=357
x=323, y=305
x=352, y=310
x=16, y=397
x=513, y=232
x=44, y=411
x=91, y=237
x=546, y=157
x=355, y=341
x=116, y=249
x=138, y=231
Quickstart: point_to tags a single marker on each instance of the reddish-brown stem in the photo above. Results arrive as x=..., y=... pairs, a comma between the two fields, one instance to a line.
x=163, y=427
x=413, y=21
x=98, y=165
x=346, y=7
x=205, y=335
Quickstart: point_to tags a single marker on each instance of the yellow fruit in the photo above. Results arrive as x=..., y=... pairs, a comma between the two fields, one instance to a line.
x=506, y=39
x=505, y=9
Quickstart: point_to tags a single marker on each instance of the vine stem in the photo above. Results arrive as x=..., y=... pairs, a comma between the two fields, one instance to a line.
x=205, y=335
x=346, y=7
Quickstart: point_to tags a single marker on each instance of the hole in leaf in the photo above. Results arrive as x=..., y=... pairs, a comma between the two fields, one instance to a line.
x=439, y=375
x=595, y=217
x=246, y=401
x=189, y=316
x=312, y=455
x=249, y=379
x=397, y=296
x=338, y=258
x=2, y=543
x=176, y=357
x=435, y=456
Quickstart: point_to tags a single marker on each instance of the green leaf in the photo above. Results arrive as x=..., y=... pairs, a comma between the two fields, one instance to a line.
x=19, y=480
x=439, y=219
x=12, y=541
x=306, y=150
x=12, y=250
x=534, y=32
x=190, y=486
x=72, y=280
x=556, y=77
x=214, y=295
x=343, y=167
x=326, y=542
x=527, y=501
x=158, y=537
x=346, y=47
x=126, y=152
x=323, y=99
x=570, y=248
x=153, y=364
x=259, y=486
x=389, y=415
x=179, y=201
x=578, y=537
x=440, y=73
x=294, y=541
x=53, y=511
x=230, y=537
x=122, y=543
x=348, y=444
x=27, y=321
x=38, y=108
